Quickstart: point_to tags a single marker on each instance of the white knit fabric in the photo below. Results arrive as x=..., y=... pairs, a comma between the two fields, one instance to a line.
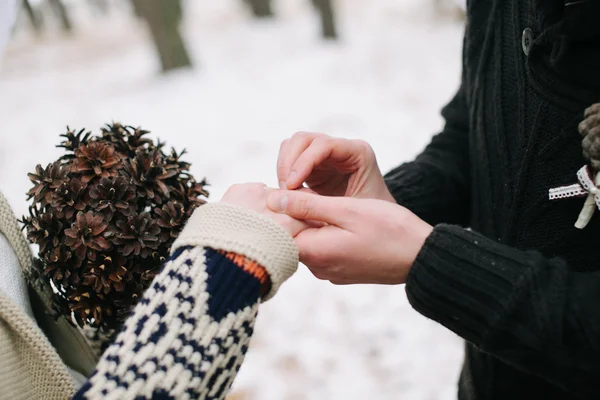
x=30, y=368
x=235, y=229
x=12, y=281
x=10, y=228
x=15, y=259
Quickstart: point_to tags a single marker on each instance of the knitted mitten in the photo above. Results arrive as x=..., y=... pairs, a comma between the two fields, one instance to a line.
x=188, y=335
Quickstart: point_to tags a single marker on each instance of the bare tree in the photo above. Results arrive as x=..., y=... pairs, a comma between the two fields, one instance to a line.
x=61, y=12
x=327, y=18
x=100, y=5
x=260, y=8
x=450, y=9
x=33, y=16
x=163, y=18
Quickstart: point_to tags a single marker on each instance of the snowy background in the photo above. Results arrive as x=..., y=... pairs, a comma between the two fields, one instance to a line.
x=254, y=84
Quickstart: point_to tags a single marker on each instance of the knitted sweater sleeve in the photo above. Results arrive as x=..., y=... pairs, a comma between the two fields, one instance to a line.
x=532, y=312
x=436, y=185
x=187, y=337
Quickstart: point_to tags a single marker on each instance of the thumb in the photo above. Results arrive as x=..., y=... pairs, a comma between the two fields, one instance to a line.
x=308, y=206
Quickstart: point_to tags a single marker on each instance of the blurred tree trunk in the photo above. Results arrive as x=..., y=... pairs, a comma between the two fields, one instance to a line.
x=61, y=12
x=327, y=18
x=260, y=8
x=453, y=9
x=163, y=17
x=137, y=8
x=100, y=5
x=34, y=17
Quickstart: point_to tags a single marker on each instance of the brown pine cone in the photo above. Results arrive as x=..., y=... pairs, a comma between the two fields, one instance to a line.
x=590, y=130
x=105, y=215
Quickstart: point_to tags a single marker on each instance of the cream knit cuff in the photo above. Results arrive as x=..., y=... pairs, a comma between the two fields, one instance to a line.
x=231, y=228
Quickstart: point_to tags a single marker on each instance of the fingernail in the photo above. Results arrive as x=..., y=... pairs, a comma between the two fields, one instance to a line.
x=277, y=202
x=282, y=185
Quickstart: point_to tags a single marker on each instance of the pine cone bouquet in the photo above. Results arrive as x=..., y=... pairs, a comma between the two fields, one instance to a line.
x=105, y=216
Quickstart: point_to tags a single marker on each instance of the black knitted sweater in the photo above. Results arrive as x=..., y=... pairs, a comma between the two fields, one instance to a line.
x=505, y=268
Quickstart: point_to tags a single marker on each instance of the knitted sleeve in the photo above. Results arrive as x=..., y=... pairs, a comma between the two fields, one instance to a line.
x=436, y=185
x=187, y=337
x=529, y=311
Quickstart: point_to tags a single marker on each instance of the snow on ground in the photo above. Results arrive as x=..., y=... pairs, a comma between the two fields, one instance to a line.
x=256, y=83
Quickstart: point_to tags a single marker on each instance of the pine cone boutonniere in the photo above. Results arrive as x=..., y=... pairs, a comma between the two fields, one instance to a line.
x=105, y=216
x=590, y=130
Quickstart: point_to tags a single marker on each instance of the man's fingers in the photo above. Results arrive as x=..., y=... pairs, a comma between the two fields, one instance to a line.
x=312, y=224
x=316, y=246
x=319, y=150
x=290, y=150
x=281, y=164
x=306, y=206
x=306, y=190
x=343, y=153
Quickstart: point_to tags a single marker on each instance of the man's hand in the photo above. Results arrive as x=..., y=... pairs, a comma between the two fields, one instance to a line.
x=331, y=167
x=364, y=241
x=253, y=196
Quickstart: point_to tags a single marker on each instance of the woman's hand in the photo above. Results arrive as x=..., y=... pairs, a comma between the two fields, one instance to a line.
x=364, y=241
x=331, y=167
x=253, y=196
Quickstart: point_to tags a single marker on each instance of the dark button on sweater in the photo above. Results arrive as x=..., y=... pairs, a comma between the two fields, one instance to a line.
x=527, y=40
